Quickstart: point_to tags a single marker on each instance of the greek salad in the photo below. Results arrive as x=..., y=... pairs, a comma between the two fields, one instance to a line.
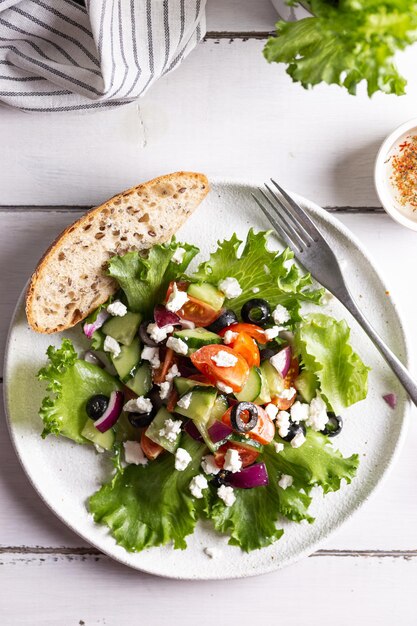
x=214, y=395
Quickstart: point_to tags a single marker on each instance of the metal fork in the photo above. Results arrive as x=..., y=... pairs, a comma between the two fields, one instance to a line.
x=300, y=233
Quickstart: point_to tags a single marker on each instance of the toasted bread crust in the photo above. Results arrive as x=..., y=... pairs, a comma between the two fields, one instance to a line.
x=69, y=281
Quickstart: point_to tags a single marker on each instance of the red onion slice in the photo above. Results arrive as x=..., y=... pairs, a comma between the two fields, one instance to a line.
x=391, y=400
x=282, y=361
x=89, y=329
x=253, y=476
x=112, y=413
x=163, y=317
x=192, y=430
x=219, y=431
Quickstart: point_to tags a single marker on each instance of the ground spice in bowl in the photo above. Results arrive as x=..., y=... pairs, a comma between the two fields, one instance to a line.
x=404, y=172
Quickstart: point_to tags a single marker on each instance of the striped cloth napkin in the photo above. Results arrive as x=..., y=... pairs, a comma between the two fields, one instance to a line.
x=57, y=55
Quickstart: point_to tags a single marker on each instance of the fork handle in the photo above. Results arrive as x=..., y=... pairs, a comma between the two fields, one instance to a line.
x=393, y=361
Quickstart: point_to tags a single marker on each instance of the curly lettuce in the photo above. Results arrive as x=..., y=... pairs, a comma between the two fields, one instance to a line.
x=71, y=382
x=254, y=266
x=323, y=345
x=347, y=42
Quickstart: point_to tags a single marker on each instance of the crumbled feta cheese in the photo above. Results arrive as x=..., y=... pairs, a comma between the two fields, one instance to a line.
x=224, y=359
x=298, y=440
x=318, y=417
x=187, y=325
x=209, y=465
x=138, y=405
x=299, y=412
x=212, y=553
x=229, y=336
x=283, y=423
x=197, y=485
x=178, y=345
x=111, y=345
x=158, y=334
x=272, y=410
x=287, y=394
x=255, y=290
x=278, y=447
x=182, y=459
x=98, y=448
x=117, y=309
x=134, y=453
x=224, y=388
x=171, y=429
x=281, y=315
x=176, y=300
x=279, y=361
x=185, y=401
x=172, y=373
x=164, y=389
x=230, y=287
x=285, y=481
x=151, y=355
x=232, y=462
x=226, y=494
x=178, y=255
x=271, y=333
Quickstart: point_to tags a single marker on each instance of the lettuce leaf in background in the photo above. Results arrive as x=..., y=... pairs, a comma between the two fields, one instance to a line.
x=71, y=382
x=145, y=279
x=347, y=42
x=274, y=276
x=251, y=521
x=151, y=505
x=323, y=345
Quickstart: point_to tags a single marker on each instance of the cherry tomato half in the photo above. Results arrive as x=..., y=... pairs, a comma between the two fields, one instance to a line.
x=254, y=331
x=150, y=449
x=234, y=376
x=264, y=430
x=196, y=311
x=246, y=347
x=246, y=455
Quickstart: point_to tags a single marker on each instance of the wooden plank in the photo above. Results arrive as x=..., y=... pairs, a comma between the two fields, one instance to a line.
x=240, y=15
x=246, y=119
x=92, y=590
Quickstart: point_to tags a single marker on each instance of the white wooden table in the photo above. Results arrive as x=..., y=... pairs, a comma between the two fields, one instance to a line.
x=226, y=112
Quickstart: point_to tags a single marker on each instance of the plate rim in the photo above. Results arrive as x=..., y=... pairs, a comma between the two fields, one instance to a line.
x=301, y=554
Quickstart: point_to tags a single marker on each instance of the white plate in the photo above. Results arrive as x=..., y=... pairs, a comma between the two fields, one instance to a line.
x=65, y=474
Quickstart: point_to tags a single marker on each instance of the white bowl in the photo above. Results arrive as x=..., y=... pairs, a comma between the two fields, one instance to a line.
x=385, y=189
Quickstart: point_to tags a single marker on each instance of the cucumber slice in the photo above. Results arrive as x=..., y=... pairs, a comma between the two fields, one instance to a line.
x=123, y=329
x=202, y=402
x=307, y=384
x=104, y=440
x=197, y=337
x=183, y=385
x=141, y=383
x=253, y=387
x=273, y=378
x=127, y=362
x=219, y=408
x=207, y=293
x=246, y=442
x=264, y=395
x=157, y=425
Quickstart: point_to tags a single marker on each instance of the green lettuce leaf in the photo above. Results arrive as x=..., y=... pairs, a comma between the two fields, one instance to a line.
x=270, y=272
x=251, y=520
x=323, y=344
x=145, y=280
x=347, y=42
x=71, y=382
x=151, y=505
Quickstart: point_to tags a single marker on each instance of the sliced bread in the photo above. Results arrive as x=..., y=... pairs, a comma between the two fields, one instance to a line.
x=70, y=280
